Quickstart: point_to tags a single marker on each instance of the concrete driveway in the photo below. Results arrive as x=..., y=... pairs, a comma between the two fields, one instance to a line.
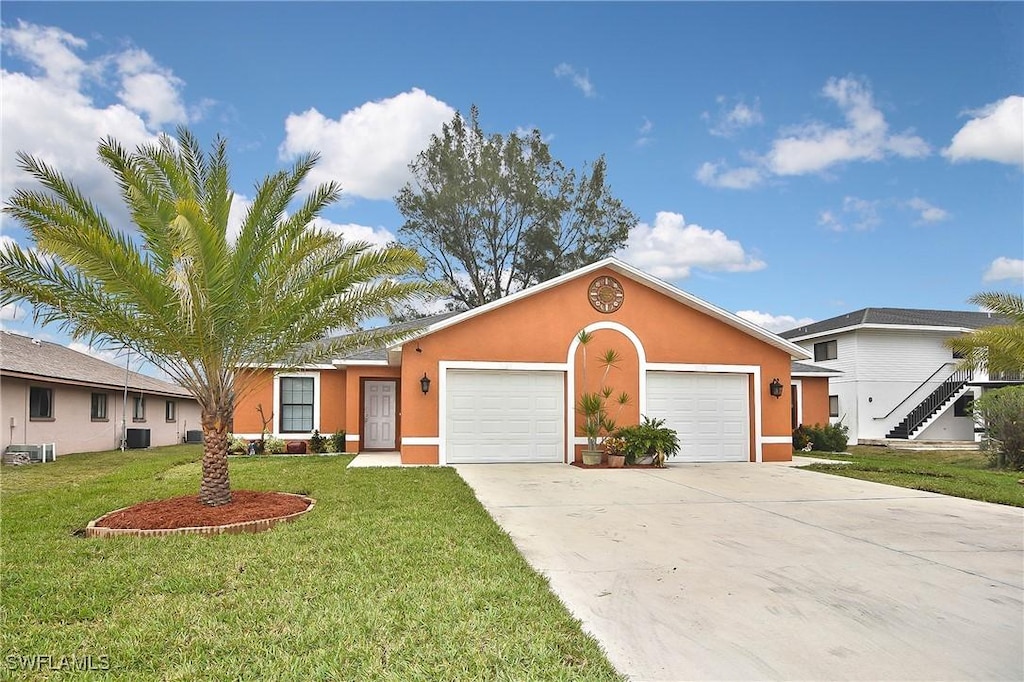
x=755, y=572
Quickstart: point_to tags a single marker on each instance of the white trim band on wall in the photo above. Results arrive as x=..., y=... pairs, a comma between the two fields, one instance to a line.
x=421, y=440
x=777, y=440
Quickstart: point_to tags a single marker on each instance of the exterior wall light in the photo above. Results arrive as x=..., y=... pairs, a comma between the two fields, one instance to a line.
x=425, y=384
x=775, y=388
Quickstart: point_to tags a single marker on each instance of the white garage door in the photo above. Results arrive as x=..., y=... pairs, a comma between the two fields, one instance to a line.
x=710, y=412
x=505, y=416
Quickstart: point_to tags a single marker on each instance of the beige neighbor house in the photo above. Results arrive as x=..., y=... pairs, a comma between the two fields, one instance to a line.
x=50, y=394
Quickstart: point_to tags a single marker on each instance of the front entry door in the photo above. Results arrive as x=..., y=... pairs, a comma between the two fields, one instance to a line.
x=379, y=415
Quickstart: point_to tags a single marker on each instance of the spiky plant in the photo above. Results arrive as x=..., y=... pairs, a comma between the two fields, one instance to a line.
x=182, y=293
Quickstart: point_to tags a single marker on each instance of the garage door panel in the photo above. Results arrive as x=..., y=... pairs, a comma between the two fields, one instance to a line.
x=505, y=416
x=710, y=413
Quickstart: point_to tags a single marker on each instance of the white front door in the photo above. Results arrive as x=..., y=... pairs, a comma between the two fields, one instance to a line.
x=379, y=414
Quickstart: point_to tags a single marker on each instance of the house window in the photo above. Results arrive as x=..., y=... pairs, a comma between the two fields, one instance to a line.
x=833, y=406
x=139, y=409
x=98, y=412
x=962, y=406
x=40, y=402
x=296, y=404
x=826, y=350
x=170, y=413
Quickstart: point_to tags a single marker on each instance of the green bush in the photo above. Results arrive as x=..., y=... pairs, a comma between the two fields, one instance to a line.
x=317, y=443
x=650, y=437
x=236, y=445
x=1003, y=413
x=827, y=438
x=273, y=446
x=338, y=441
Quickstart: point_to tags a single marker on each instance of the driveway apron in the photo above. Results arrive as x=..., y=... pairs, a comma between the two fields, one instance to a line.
x=764, y=571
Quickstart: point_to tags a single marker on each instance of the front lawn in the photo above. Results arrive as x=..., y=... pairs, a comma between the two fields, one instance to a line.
x=397, y=574
x=961, y=473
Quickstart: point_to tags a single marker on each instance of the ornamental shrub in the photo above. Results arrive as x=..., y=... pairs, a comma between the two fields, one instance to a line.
x=317, y=443
x=650, y=437
x=827, y=438
x=338, y=441
x=273, y=446
x=1002, y=412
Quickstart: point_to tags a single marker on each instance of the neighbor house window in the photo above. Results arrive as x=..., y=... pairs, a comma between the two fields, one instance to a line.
x=962, y=406
x=296, y=404
x=139, y=409
x=98, y=412
x=833, y=406
x=169, y=410
x=826, y=350
x=40, y=402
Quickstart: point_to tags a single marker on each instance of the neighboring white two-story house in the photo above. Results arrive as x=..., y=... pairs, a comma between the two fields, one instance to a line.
x=899, y=380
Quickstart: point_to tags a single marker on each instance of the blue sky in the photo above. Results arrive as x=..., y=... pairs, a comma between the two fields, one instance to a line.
x=787, y=161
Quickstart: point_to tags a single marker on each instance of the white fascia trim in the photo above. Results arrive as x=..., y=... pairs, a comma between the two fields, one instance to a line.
x=875, y=325
x=342, y=363
x=278, y=365
x=795, y=352
x=248, y=436
x=277, y=403
x=442, y=389
x=421, y=440
x=778, y=440
x=754, y=370
x=799, y=401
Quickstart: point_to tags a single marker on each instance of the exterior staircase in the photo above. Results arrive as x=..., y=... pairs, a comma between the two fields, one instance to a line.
x=947, y=392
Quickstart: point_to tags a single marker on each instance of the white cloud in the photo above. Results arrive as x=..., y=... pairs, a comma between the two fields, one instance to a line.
x=240, y=205
x=928, y=212
x=858, y=214
x=996, y=133
x=670, y=248
x=376, y=236
x=773, y=323
x=815, y=147
x=12, y=312
x=113, y=356
x=717, y=175
x=150, y=89
x=730, y=120
x=368, y=149
x=47, y=112
x=580, y=80
x=644, y=133
x=1005, y=268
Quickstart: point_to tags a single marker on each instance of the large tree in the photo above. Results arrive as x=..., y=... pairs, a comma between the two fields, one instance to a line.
x=1000, y=347
x=182, y=292
x=493, y=214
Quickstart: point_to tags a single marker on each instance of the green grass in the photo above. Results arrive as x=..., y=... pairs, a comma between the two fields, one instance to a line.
x=959, y=473
x=397, y=574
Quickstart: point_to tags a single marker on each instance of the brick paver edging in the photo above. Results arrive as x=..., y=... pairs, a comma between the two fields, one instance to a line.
x=94, y=531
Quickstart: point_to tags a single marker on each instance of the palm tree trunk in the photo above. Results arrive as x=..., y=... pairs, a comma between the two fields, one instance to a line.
x=215, y=490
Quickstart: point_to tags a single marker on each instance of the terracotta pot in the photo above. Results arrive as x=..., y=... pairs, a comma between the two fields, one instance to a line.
x=591, y=457
x=616, y=461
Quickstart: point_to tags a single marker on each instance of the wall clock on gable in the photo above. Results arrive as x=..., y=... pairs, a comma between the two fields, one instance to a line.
x=606, y=294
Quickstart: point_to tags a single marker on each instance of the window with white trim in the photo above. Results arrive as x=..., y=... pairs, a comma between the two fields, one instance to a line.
x=833, y=406
x=826, y=350
x=138, y=408
x=296, y=404
x=170, y=411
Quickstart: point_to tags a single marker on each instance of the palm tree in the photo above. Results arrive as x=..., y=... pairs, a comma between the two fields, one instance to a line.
x=999, y=347
x=183, y=294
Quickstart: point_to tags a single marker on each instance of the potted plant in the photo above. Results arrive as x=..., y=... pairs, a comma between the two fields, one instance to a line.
x=649, y=442
x=615, y=450
x=593, y=405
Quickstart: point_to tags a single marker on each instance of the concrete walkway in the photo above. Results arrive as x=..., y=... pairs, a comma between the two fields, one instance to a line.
x=758, y=572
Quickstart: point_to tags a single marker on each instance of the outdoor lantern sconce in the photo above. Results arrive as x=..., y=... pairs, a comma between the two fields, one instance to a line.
x=425, y=384
x=775, y=388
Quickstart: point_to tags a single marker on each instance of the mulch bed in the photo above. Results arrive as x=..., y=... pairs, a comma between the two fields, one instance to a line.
x=604, y=465
x=188, y=511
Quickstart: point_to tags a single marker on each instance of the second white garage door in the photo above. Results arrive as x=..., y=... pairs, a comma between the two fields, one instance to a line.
x=504, y=416
x=710, y=412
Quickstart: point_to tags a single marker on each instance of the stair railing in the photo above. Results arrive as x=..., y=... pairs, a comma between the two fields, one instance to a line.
x=939, y=396
x=912, y=393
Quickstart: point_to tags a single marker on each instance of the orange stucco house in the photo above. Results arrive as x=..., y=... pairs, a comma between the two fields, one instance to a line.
x=499, y=383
